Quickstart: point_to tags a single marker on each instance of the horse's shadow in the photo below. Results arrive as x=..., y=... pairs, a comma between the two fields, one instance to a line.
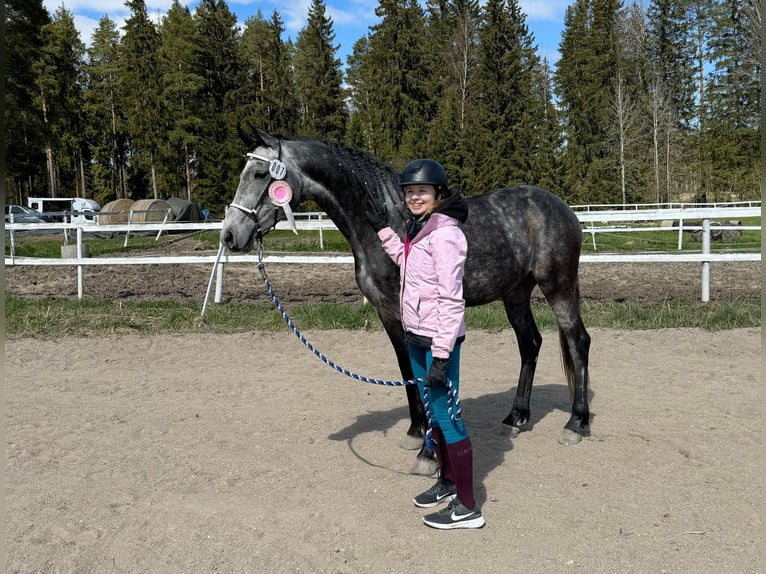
x=483, y=417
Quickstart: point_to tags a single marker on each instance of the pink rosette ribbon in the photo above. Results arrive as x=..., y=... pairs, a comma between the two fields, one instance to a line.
x=280, y=194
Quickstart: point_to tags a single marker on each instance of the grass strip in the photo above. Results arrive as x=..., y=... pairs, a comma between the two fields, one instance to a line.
x=53, y=318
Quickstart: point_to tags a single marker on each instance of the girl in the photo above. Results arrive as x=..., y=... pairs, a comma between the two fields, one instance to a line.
x=431, y=261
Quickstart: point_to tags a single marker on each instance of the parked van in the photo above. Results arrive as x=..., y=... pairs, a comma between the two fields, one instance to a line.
x=84, y=210
x=66, y=209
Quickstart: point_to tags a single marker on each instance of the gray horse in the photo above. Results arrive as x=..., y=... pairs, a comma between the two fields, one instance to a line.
x=518, y=237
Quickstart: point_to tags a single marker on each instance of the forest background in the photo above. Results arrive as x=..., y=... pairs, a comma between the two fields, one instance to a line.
x=651, y=101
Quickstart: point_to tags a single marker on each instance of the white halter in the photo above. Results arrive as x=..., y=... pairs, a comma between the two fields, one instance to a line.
x=278, y=190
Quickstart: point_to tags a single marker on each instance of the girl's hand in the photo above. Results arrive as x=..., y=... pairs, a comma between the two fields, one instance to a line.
x=376, y=213
x=437, y=374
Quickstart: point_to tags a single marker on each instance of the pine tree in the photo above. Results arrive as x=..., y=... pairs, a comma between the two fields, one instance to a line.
x=60, y=98
x=181, y=85
x=285, y=104
x=395, y=80
x=23, y=119
x=319, y=79
x=673, y=92
x=732, y=139
x=630, y=128
x=453, y=33
x=570, y=81
x=546, y=163
x=673, y=53
x=142, y=96
x=267, y=99
x=584, y=81
x=219, y=150
x=105, y=129
x=361, y=125
x=509, y=112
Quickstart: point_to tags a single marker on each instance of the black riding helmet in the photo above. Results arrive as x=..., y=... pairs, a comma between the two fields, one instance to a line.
x=426, y=171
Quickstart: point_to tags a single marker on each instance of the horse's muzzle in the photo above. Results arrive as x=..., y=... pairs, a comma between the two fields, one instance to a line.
x=237, y=236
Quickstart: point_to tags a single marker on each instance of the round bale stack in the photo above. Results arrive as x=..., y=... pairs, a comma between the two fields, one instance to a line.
x=154, y=210
x=115, y=212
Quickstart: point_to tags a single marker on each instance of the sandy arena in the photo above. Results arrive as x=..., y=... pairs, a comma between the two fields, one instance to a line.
x=245, y=454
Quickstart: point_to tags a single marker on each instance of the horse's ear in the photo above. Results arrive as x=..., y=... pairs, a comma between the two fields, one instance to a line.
x=253, y=137
x=267, y=140
x=245, y=135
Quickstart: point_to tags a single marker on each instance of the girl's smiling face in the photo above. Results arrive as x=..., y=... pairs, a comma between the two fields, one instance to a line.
x=420, y=199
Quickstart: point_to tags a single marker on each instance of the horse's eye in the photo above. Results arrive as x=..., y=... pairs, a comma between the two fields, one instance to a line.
x=260, y=170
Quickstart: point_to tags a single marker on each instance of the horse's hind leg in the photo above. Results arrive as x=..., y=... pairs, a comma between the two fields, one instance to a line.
x=519, y=313
x=575, y=347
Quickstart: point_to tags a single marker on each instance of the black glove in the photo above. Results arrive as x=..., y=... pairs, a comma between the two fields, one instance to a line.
x=376, y=213
x=437, y=374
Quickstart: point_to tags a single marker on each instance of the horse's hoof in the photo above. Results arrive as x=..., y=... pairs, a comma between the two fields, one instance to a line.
x=510, y=431
x=410, y=442
x=569, y=437
x=425, y=467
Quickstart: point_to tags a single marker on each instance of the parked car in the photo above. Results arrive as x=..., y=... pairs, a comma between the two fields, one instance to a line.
x=22, y=214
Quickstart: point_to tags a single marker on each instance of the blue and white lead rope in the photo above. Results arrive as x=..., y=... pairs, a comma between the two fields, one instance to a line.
x=453, y=401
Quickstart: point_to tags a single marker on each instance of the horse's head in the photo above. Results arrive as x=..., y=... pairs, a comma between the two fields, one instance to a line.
x=267, y=192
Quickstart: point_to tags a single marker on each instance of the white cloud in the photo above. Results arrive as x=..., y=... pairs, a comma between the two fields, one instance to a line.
x=293, y=14
x=87, y=25
x=353, y=13
x=78, y=6
x=544, y=9
x=553, y=56
x=87, y=13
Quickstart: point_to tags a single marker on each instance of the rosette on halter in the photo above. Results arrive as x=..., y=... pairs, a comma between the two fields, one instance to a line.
x=280, y=194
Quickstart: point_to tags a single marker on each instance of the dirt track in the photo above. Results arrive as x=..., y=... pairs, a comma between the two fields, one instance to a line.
x=244, y=454
x=335, y=283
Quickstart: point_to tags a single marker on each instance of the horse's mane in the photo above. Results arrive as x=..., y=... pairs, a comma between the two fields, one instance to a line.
x=371, y=174
x=376, y=176
x=359, y=168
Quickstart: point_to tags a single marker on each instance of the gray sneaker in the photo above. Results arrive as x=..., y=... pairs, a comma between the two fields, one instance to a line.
x=442, y=491
x=454, y=516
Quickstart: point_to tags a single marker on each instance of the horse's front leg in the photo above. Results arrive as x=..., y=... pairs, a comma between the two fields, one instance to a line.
x=529, y=340
x=425, y=462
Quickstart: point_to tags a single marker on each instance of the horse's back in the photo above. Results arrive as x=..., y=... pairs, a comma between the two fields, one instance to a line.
x=524, y=204
x=513, y=232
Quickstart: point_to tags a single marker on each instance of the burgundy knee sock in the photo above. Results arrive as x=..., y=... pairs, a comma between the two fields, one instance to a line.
x=461, y=463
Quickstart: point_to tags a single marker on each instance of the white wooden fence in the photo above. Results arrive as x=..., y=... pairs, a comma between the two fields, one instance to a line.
x=605, y=218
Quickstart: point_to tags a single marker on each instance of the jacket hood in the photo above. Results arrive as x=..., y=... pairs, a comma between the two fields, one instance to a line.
x=454, y=206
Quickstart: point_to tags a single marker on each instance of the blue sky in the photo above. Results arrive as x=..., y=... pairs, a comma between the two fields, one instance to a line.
x=351, y=18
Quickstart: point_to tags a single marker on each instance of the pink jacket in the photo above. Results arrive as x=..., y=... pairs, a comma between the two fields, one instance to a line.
x=431, y=274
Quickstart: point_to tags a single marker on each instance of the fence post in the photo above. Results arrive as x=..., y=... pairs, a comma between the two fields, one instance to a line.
x=706, y=264
x=218, y=283
x=127, y=230
x=79, y=267
x=216, y=268
x=321, y=234
x=13, y=236
x=164, y=221
x=680, y=234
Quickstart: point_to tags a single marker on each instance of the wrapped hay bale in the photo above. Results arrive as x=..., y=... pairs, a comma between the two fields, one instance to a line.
x=151, y=211
x=115, y=212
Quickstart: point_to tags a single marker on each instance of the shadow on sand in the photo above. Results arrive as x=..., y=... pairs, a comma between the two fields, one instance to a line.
x=483, y=417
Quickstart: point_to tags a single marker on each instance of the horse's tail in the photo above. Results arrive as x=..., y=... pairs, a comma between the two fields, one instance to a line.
x=567, y=363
